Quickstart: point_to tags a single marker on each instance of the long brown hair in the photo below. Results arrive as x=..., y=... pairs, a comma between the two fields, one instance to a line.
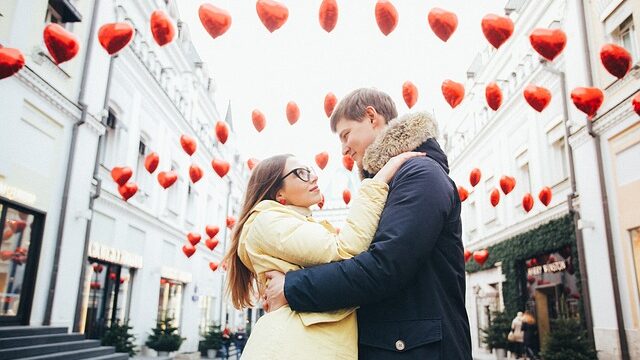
x=263, y=184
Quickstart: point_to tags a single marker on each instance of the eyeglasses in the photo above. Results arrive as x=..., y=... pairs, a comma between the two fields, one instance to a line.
x=303, y=174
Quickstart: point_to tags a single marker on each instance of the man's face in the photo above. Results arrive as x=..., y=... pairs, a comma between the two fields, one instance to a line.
x=356, y=136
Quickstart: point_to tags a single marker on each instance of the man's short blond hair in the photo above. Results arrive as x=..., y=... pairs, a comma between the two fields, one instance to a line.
x=353, y=106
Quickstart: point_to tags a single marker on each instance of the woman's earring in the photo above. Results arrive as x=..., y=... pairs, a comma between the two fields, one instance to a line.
x=282, y=201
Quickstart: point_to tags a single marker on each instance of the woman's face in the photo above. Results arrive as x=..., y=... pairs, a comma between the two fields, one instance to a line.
x=300, y=185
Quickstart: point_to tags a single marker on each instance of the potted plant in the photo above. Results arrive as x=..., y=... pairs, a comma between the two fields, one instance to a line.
x=212, y=341
x=568, y=340
x=165, y=338
x=495, y=335
x=120, y=337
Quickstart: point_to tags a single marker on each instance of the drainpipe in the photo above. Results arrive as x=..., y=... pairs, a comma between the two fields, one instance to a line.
x=575, y=214
x=224, y=252
x=70, y=160
x=622, y=336
x=92, y=199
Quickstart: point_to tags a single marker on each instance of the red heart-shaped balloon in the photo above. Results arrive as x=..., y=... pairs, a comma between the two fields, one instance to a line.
x=128, y=190
x=221, y=167
x=62, y=44
x=507, y=183
x=11, y=61
x=481, y=256
x=497, y=29
x=616, y=59
x=463, y=194
x=467, y=255
x=293, y=112
x=494, y=197
x=587, y=99
x=346, y=196
x=151, y=162
x=322, y=159
x=409, y=93
x=258, y=120
x=474, y=176
x=493, y=94
x=194, y=238
x=347, y=162
x=188, y=250
x=231, y=221
x=115, y=36
x=635, y=102
x=321, y=203
x=442, y=22
x=545, y=196
x=222, y=131
x=121, y=174
x=195, y=173
x=214, y=19
x=167, y=178
x=251, y=163
x=453, y=92
x=188, y=144
x=386, y=16
x=272, y=14
x=330, y=101
x=328, y=15
x=538, y=97
x=162, y=28
x=549, y=43
x=213, y=266
x=212, y=230
x=211, y=243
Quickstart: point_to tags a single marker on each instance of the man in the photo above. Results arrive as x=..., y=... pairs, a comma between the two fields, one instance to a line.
x=410, y=284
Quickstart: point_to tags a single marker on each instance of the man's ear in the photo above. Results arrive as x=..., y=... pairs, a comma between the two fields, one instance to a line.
x=370, y=112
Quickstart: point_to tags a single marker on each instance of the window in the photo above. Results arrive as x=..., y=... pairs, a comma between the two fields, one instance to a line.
x=207, y=306
x=141, y=173
x=489, y=215
x=110, y=143
x=173, y=200
x=557, y=154
x=211, y=217
x=625, y=36
x=523, y=177
x=470, y=218
x=170, y=301
x=191, y=205
x=62, y=12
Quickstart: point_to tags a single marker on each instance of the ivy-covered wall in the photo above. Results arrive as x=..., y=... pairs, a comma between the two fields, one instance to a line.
x=513, y=253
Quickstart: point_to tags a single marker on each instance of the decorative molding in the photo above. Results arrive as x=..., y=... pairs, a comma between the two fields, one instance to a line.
x=47, y=92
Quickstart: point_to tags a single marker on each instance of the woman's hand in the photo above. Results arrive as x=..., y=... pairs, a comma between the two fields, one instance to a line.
x=391, y=167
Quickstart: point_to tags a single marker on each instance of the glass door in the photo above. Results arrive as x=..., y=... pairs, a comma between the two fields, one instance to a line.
x=19, y=252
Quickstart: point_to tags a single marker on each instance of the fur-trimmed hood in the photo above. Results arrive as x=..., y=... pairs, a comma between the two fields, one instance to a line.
x=411, y=132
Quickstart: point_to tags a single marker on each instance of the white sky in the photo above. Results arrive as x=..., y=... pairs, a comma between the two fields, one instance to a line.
x=300, y=62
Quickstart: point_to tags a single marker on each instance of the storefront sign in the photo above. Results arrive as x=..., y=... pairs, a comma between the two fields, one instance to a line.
x=16, y=194
x=548, y=268
x=115, y=256
x=175, y=274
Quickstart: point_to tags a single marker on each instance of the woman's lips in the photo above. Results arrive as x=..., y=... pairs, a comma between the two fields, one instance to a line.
x=313, y=189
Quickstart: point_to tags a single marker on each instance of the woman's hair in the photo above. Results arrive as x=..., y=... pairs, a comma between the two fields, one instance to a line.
x=528, y=318
x=263, y=184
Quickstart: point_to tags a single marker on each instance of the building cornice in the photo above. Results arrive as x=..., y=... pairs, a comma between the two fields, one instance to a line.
x=34, y=82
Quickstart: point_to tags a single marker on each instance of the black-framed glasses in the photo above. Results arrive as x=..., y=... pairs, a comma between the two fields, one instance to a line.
x=304, y=174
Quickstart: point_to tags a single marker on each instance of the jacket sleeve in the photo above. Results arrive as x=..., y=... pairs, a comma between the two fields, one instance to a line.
x=307, y=243
x=420, y=201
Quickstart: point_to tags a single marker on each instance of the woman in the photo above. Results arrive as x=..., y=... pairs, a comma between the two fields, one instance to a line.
x=275, y=231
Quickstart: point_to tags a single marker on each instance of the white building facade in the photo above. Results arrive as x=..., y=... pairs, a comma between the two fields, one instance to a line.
x=530, y=146
x=118, y=261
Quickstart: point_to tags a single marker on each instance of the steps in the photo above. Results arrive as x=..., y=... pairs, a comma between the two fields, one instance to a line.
x=47, y=342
